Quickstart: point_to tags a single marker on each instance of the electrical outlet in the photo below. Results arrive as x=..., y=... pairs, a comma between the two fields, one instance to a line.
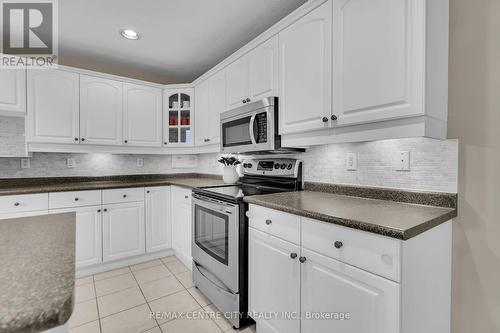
x=70, y=162
x=352, y=161
x=140, y=162
x=25, y=163
x=403, y=161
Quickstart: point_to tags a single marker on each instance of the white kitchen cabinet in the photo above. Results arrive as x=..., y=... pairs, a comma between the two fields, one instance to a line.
x=329, y=286
x=23, y=214
x=237, y=83
x=254, y=75
x=178, y=117
x=13, y=92
x=263, y=69
x=378, y=60
x=305, y=72
x=274, y=281
x=53, y=106
x=210, y=102
x=142, y=115
x=123, y=230
x=158, y=218
x=101, y=111
x=88, y=242
x=181, y=223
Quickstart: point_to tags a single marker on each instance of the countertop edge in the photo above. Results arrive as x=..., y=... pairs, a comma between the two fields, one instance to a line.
x=359, y=225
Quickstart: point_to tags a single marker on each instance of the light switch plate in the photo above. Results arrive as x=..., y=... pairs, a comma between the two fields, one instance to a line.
x=70, y=162
x=352, y=161
x=403, y=161
x=25, y=163
x=140, y=162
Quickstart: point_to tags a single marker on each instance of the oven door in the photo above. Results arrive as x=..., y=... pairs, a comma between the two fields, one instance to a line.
x=215, y=243
x=252, y=131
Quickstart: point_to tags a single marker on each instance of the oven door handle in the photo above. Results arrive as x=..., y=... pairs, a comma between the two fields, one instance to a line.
x=221, y=208
x=220, y=288
x=250, y=129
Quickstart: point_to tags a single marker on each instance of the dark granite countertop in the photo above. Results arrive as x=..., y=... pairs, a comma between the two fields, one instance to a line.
x=37, y=275
x=399, y=220
x=61, y=184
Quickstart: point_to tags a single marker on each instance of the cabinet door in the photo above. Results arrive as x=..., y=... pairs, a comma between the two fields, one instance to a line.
x=101, y=111
x=178, y=117
x=278, y=291
x=331, y=287
x=305, y=72
x=53, y=106
x=203, y=122
x=13, y=91
x=263, y=69
x=123, y=230
x=158, y=219
x=142, y=108
x=378, y=63
x=88, y=242
x=237, y=88
x=217, y=105
x=181, y=222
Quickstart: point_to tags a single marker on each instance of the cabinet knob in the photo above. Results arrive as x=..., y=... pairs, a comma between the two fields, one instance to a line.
x=268, y=222
x=206, y=140
x=16, y=204
x=248, y=100
x=244, y=101
x=83, y=139
x=334, y=117
x=98, y=210
x=164, y=143
x=76, y=139
x=338, y=244
x=76, y=199
x=105, y=209
x=302, y=259
x=126, y=141
x=324, y=119
x=124, y=195
x=293, y=255
x=148, y=191
x=186, y=197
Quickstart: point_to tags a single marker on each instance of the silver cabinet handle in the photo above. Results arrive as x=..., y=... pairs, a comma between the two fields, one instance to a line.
x=16, y=204
x=76, y=199
x=186, y=197
x=338, y=244
x=293, y=255
x=268, y=222
x=302, y=260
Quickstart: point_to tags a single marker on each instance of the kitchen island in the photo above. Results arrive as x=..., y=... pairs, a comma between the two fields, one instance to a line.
x=37, y=276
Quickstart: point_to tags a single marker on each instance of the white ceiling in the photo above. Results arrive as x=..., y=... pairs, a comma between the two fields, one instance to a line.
x=180, y=39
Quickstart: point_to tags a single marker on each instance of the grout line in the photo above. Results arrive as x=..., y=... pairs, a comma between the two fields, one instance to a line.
x=97, y=305
x=147, y=303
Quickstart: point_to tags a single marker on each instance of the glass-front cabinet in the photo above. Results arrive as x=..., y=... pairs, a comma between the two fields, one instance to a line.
x=178, y=117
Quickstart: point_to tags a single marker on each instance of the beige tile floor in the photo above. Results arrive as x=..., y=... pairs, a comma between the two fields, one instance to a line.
x=121, y=301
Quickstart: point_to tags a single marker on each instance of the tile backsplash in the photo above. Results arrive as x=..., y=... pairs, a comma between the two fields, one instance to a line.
x=12, y=141
x=433, y=164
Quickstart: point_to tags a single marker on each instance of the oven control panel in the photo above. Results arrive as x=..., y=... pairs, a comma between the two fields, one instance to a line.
x=280, y=167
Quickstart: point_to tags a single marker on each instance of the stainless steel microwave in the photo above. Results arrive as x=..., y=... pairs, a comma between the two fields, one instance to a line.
x=252, y=129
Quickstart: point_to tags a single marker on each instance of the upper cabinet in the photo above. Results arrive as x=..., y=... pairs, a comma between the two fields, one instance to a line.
x=177, y=117
x=142, y=114
x=210, y=97
x=13, y=92
x=377, y=54
x=254, y=75
x=305, y=72
x=101, y=104
x=53, y=106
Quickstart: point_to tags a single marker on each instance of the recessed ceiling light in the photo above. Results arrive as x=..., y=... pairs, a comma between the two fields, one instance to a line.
x=129, y=34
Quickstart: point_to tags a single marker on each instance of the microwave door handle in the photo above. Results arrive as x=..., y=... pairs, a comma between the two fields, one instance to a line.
x=250, y=129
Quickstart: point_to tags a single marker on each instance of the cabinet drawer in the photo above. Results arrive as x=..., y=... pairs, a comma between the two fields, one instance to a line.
x=74, y=199
x=283, y=225
x=123, y=195
x=377, y=254
x=24, y=203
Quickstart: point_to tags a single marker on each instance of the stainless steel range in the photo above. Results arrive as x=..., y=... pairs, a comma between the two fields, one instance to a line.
x=220, y=229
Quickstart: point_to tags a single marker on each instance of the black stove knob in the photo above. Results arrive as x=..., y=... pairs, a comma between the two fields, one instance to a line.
x=249, y=165
x=283, y=166
x=276, y=166
x=289, y=166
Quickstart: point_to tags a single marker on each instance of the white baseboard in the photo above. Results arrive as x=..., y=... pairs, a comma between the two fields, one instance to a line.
x=86, y=271
x=184, y=258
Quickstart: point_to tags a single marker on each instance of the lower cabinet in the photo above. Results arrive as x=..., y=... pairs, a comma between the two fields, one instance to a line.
x=158, y=219
x=273, y=293
x=123, y=230
x=88, y=242
x=181, y=223
x=355, y=300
